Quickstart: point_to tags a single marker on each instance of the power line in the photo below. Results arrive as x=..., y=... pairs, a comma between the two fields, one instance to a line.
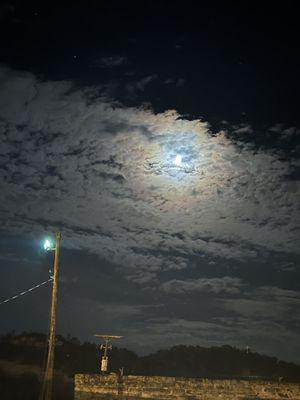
x=26, y=291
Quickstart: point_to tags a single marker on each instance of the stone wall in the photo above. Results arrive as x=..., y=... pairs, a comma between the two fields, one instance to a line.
x=108, y=387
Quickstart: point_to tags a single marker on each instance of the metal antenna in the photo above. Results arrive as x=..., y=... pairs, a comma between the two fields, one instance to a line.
x=105, y=347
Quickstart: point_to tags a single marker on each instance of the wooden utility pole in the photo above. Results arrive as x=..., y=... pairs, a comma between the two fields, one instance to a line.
x=46, y=393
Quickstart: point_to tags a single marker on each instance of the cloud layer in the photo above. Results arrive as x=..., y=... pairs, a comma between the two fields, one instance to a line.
x=105, y=175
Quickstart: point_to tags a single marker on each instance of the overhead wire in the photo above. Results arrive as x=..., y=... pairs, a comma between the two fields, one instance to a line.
x=26, y=291
x=22, y=294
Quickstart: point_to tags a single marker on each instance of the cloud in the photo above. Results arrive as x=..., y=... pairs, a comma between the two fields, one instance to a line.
x=133, y=88
x=243, y=129
x=7, y=10
x=265, y=318
x=111, y=61
x=284, y=132
x=178, y=82
x=105, y=175
x=267, y=303
x=166, y=332
x=223, y=285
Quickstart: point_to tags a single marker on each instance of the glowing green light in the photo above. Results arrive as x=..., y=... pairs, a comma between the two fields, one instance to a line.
x=48, y=245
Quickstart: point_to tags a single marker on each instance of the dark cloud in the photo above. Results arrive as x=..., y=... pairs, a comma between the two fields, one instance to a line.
x=6, y=10
x=111, y=61
x=209, y=285
x=133, y=88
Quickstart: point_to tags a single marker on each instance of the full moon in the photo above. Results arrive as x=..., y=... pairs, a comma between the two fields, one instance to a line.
x=178, y=160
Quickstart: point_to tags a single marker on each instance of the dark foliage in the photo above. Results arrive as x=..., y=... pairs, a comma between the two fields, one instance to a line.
x=27, y=387
x=74, y=357
x=216, y=362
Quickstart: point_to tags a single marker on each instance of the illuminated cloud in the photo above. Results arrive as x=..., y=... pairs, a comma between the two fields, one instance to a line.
x=104, y=174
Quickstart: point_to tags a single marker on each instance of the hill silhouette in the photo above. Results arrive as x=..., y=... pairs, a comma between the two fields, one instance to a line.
x=22, y=357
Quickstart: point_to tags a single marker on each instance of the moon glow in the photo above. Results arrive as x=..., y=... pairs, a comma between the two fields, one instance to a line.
x=178, y=160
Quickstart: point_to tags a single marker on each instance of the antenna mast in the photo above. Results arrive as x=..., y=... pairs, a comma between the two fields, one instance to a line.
x=106, y=346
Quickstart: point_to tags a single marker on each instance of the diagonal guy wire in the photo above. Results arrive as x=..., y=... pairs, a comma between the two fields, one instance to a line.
x=25, y=291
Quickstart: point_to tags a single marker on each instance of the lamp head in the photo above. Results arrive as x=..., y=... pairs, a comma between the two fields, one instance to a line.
x=48, y=245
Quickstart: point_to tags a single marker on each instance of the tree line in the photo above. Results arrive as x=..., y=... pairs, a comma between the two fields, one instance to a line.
x=72, y=357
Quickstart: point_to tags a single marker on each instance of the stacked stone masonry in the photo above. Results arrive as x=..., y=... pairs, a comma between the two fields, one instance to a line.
x=109, y=387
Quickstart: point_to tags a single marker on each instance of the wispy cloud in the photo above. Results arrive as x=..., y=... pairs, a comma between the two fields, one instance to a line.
x=111, y=61
x=223, y=285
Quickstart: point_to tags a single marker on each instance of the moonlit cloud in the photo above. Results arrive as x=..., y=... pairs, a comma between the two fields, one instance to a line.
x=108, y=176
x=104, y=174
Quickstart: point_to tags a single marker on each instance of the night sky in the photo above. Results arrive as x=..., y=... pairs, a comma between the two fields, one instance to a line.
x=97, y=98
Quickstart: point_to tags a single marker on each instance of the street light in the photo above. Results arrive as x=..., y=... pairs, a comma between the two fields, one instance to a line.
x=48, y=245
